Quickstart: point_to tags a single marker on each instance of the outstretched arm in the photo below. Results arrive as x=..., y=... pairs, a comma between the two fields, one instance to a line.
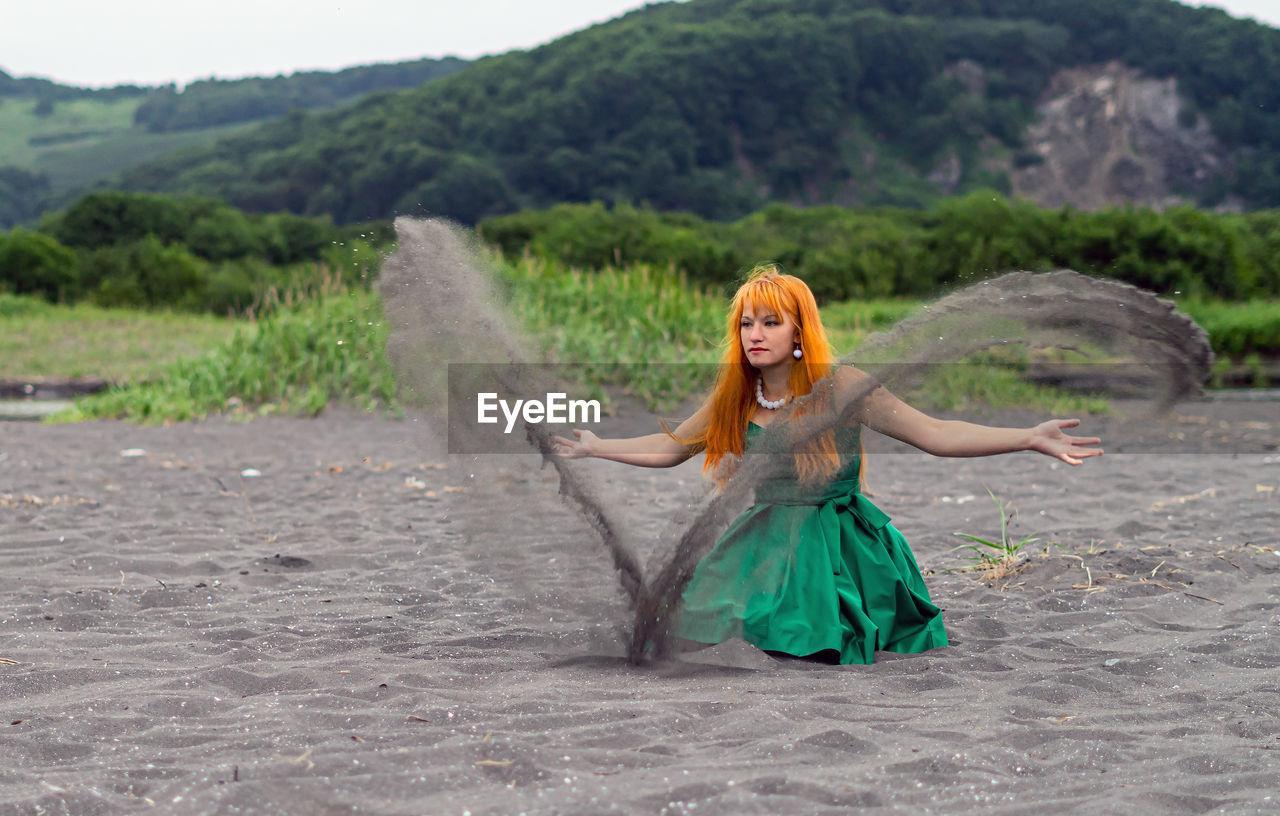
x=882, y=411
x=653, y=450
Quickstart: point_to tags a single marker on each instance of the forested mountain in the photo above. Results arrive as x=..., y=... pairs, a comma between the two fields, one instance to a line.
x=212, y=102
x=56, y=140
x=716, y=106
x=52, y=92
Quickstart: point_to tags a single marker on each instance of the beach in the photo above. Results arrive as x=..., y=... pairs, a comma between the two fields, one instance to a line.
x=332, y=615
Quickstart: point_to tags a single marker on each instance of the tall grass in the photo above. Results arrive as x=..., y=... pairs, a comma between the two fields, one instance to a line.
x=644, y=328
x=849, y=322
x=1243, y=335
x=648, y=330
x=1238, y=329
x=296, y=359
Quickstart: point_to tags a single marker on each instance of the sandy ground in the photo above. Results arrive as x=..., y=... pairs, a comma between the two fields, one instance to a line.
x=364, y=627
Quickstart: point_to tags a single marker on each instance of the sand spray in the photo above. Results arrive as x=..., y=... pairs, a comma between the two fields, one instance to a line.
x=442, y=308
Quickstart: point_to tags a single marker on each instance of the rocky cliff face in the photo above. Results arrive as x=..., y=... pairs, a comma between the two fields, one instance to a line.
x=1106, y=135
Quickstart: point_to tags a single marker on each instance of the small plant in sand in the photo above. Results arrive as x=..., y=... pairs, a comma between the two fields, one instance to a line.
x=997, y=560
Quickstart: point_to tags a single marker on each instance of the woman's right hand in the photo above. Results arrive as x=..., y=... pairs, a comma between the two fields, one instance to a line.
x=577, y=448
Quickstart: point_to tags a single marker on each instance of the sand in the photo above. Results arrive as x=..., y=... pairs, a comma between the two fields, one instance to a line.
x=365, y=628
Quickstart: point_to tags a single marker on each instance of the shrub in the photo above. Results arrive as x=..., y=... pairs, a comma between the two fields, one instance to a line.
x=107, y=218
x=145, y=273
x=222, y=235
x=31, y=263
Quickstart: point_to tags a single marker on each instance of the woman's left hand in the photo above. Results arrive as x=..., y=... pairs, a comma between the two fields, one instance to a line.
x=1048, y=438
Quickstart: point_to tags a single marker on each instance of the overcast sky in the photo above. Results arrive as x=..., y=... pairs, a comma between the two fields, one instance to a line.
x=150, y=42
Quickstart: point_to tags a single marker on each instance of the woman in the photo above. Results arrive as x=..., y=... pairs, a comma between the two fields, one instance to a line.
x=813, y=568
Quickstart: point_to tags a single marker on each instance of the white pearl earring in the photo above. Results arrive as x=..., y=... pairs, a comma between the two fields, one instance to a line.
x=797, y=354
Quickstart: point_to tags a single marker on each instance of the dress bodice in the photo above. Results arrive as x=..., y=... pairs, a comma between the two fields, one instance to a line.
x=785, y=487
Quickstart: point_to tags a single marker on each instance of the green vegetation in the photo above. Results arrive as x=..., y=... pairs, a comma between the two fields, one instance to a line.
x=327, y=342
x=211, y=102
x=1246, y=338
x=322, y=338
x=1238, y=329
x=876, y=253
x=1001, y=559
x=23, y=195
x=188, y=253
x=869, y=265
x=635, y=325
x=57, y=140
x=52, y=94
x=40, y=339
x=71, y=167
x=32, y=129
x=849, y=322
x=643, y=328
x=649, y=331
x=49, y=150
x=317, y=346
x=717, y=107
x=27, y=131
x=993, y=380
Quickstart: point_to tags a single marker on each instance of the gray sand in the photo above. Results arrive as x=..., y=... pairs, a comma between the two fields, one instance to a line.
x=428, y=644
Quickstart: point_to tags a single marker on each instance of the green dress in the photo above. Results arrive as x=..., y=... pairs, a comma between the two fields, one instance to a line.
x=812, y=570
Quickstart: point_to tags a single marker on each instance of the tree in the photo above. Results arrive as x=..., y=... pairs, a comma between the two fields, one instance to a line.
x=23, y=195
x=466, y=189
x=31, y=263
x=103, y=219
x=222, y=235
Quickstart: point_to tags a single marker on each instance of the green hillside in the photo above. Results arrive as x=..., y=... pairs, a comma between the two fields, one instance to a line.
x=76, y=142
x=213, y=102
x=32, y=126
x=74, y=165
x=718, y=106
x=57, y=140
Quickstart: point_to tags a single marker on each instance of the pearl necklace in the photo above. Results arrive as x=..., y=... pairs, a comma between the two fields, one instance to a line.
x=771, y=405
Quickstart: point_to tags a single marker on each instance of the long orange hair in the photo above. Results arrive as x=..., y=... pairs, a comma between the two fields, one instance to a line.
x=733, y=399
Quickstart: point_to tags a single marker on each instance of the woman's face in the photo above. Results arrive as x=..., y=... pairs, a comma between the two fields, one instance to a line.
x=767, y=338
